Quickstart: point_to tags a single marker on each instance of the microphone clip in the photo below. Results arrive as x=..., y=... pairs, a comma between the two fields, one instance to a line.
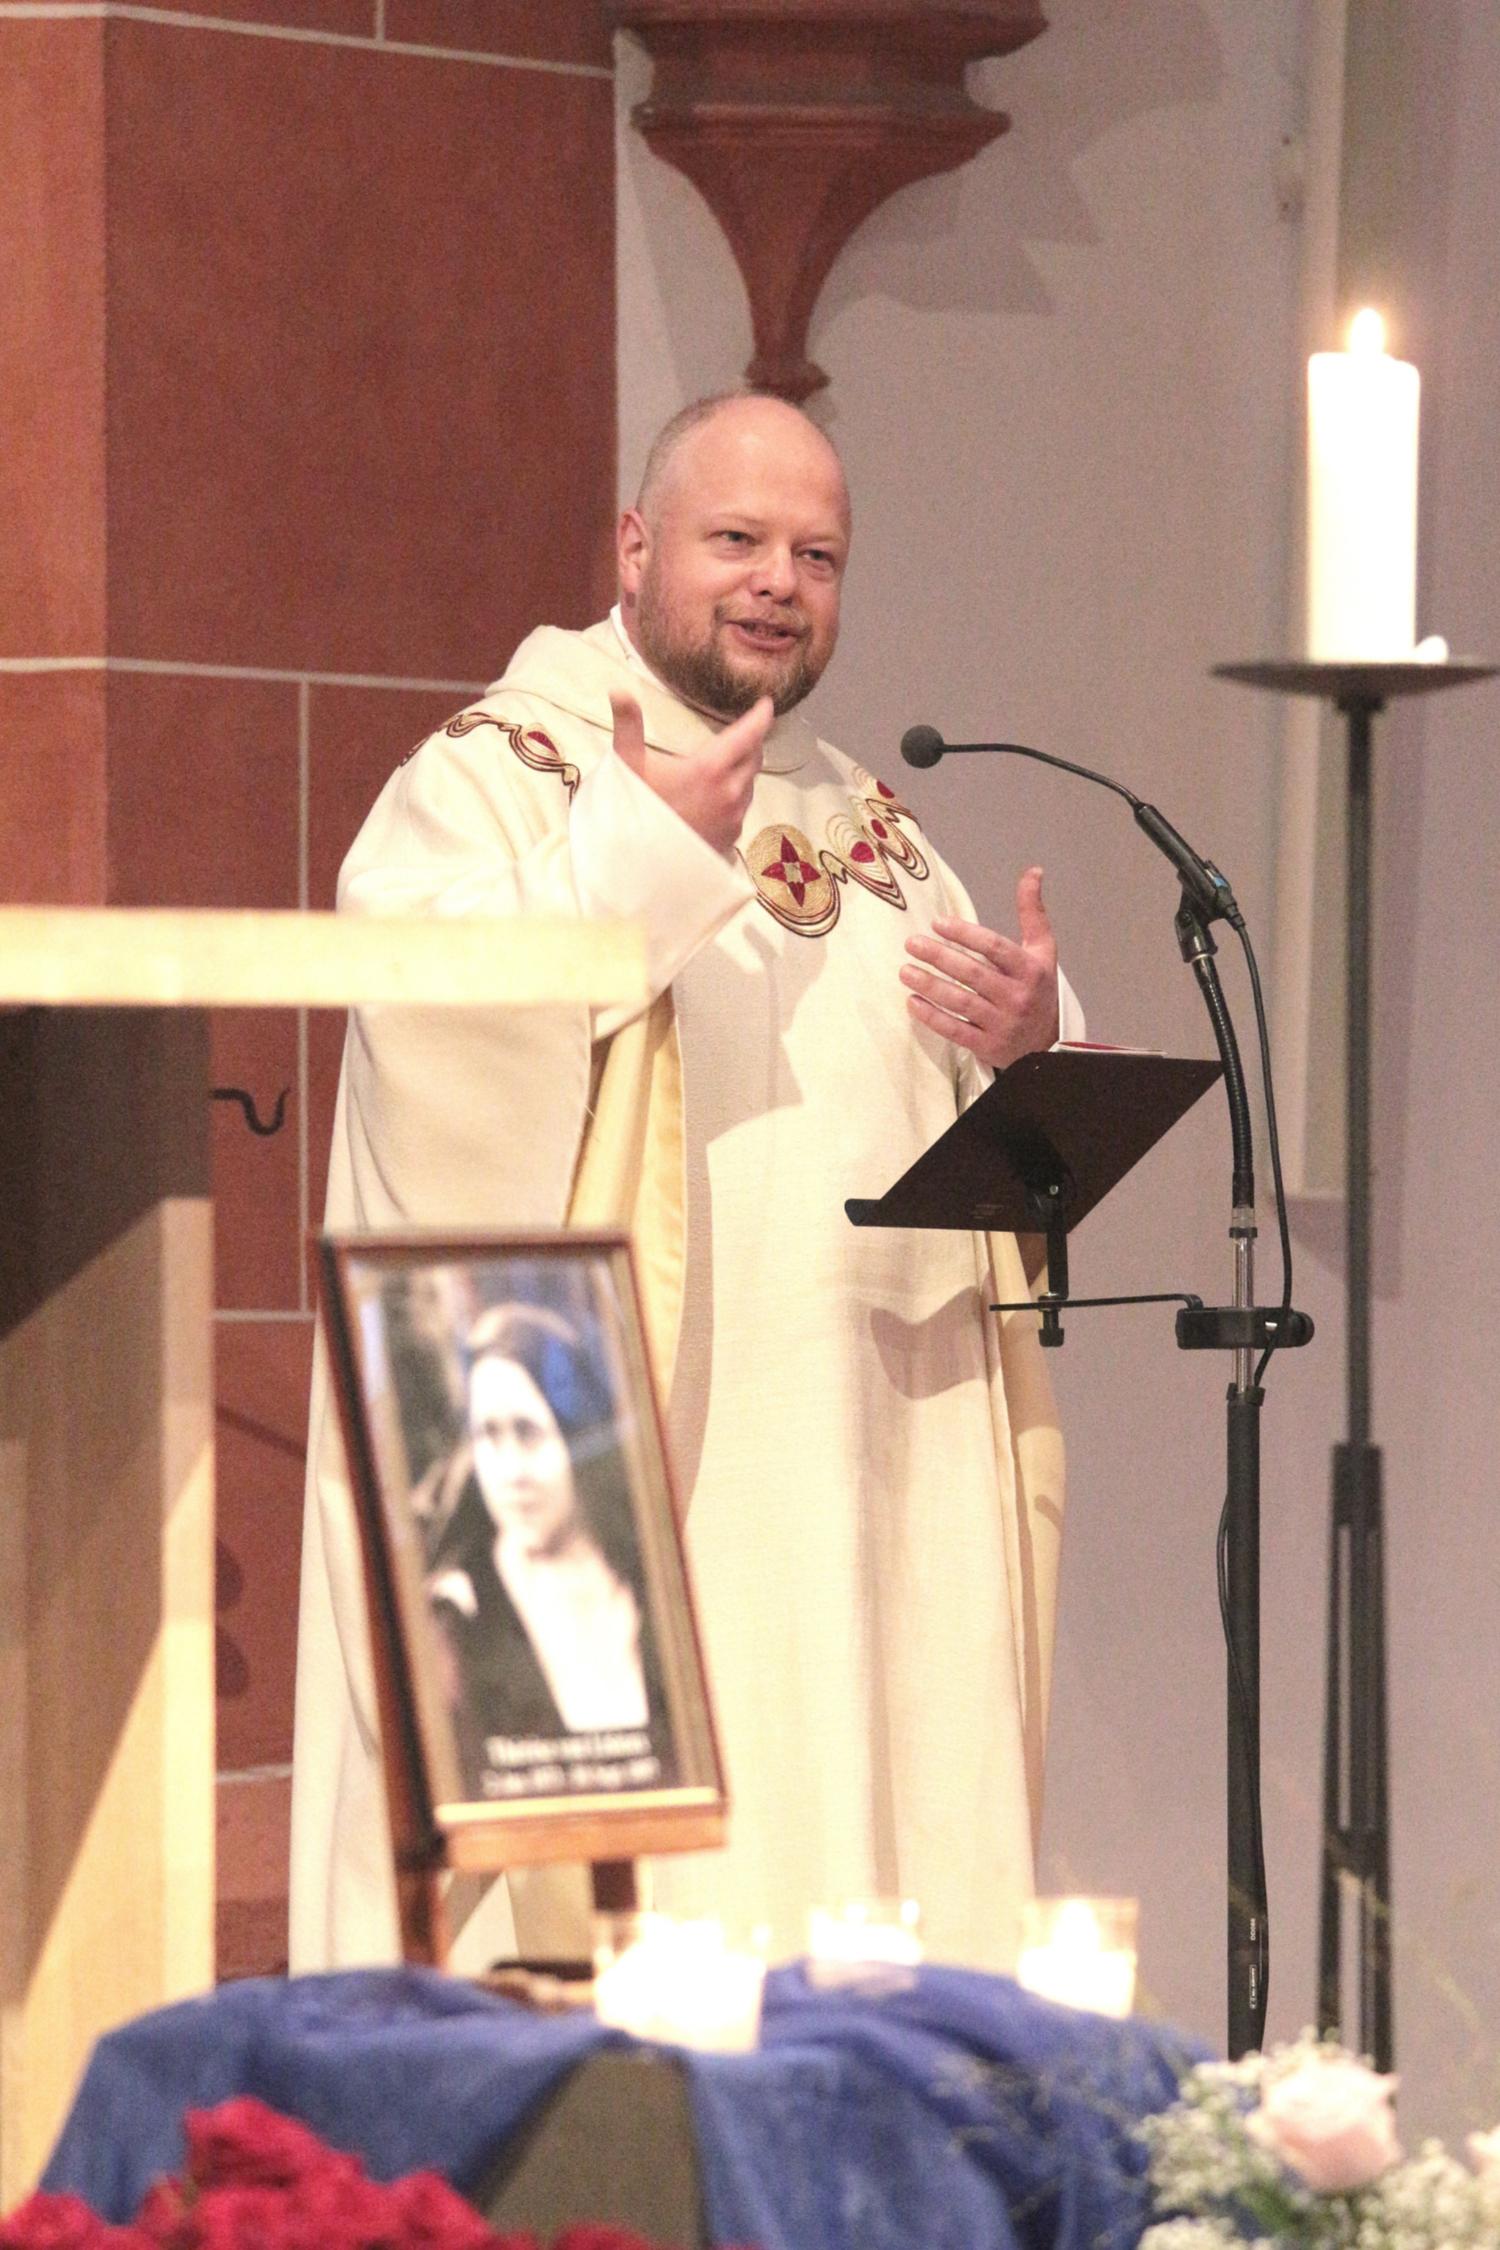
x=1195, y=940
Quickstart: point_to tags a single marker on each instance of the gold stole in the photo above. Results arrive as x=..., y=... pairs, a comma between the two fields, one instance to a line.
x=630, y=1172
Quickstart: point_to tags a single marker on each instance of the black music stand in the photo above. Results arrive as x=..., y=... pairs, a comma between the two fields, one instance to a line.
x=1039, y=1150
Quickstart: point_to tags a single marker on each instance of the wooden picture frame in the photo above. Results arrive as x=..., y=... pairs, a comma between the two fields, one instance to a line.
x=540, y=1675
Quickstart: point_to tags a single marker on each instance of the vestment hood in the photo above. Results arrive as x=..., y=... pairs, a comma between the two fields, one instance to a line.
x=576, y=672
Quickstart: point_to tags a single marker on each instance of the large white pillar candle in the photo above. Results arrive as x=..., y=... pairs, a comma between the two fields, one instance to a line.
x=1362, y=409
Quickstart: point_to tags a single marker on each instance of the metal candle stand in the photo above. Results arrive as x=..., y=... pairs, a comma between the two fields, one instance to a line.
x=1356, y=1794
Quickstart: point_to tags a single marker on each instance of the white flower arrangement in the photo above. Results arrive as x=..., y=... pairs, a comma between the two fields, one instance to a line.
x=1298, y=2148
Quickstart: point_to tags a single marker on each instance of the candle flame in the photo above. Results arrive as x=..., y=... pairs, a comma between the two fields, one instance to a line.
x=1077, y=1927
x=1367, y=333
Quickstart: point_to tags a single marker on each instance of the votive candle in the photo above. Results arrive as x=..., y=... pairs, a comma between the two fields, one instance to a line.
x=1080, y=1951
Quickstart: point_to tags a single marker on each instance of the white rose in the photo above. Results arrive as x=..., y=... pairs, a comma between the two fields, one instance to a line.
x=1484, y=2149
x=1330, y=2121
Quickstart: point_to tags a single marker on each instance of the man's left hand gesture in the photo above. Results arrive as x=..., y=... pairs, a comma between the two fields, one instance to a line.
x=997, y=996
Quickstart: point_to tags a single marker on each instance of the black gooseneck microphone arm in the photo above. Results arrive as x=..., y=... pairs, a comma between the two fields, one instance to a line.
x=1206, y=887
x=1206, y=898
x=1240, y=1328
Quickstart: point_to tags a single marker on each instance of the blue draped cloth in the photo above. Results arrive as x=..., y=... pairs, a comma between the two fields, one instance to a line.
x=953, y=2113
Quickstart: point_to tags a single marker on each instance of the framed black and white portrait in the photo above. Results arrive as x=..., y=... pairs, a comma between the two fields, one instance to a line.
x=542, y=1685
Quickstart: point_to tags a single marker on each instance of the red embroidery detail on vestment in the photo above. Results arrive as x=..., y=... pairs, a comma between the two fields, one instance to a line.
x=789, y=882
x=792, y=869
x=532, y=745
x=800, y=885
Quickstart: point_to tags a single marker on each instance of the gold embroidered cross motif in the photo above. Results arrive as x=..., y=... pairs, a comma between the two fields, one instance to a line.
x=799, y=884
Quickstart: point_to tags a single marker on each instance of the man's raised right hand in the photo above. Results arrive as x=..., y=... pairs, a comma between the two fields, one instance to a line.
x=710, y=789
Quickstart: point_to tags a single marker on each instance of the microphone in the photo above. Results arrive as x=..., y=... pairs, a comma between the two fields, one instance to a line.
x=1206, y=887
x=922, y=746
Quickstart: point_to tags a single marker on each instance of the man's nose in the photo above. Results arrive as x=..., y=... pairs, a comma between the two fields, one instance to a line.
x=775, y=574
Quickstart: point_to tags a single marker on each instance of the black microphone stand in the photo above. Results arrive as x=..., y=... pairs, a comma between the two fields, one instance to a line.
x=1248, y=1934
x=1242, y=1328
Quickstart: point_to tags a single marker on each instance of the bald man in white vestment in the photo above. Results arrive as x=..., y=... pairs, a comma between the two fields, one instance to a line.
x=869, y=1460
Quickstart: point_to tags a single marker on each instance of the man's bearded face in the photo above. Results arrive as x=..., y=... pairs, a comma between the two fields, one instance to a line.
x=724, y=654
x=738, y=593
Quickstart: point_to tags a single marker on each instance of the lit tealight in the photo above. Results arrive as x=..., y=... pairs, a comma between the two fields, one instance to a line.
x=1081, y=1952
x=867, y=1937
x=679, y=1982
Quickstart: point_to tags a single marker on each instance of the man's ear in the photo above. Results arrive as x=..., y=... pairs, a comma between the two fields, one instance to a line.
x=632, y=552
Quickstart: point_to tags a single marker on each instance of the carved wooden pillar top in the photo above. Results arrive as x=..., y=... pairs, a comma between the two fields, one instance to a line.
x=796, y=118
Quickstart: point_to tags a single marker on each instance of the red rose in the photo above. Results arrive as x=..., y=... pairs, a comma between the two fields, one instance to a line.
x=338, y=2207
x=59, y=2222
x=165, y=2218
x=256, y=2180
x=243, y=2143
x=430, y=2215
x=246, y=2218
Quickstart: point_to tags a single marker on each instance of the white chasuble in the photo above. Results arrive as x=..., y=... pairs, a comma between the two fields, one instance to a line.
x=869, y=1460
x=834, y=1414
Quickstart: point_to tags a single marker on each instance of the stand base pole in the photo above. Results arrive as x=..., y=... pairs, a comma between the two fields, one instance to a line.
x=1356, y=1809
x=1248, y=1946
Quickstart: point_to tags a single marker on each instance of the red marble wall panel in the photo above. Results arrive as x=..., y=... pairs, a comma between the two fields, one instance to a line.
x=325, y=1052
x=557, y=30
x=356, y=300
x=257, y=1176
x=204, y=811
x=351, y=18
x=357, y=738
x=254, y=1820
x=203, y=791
x=262, y=1370
x=52, y=788
x=51, y=339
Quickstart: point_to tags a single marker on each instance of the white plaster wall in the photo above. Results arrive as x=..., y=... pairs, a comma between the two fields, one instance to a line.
x=1438, y=1244
x=1064, y=381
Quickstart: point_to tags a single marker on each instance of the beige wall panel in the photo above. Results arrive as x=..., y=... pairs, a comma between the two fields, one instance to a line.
x=106, y=1596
